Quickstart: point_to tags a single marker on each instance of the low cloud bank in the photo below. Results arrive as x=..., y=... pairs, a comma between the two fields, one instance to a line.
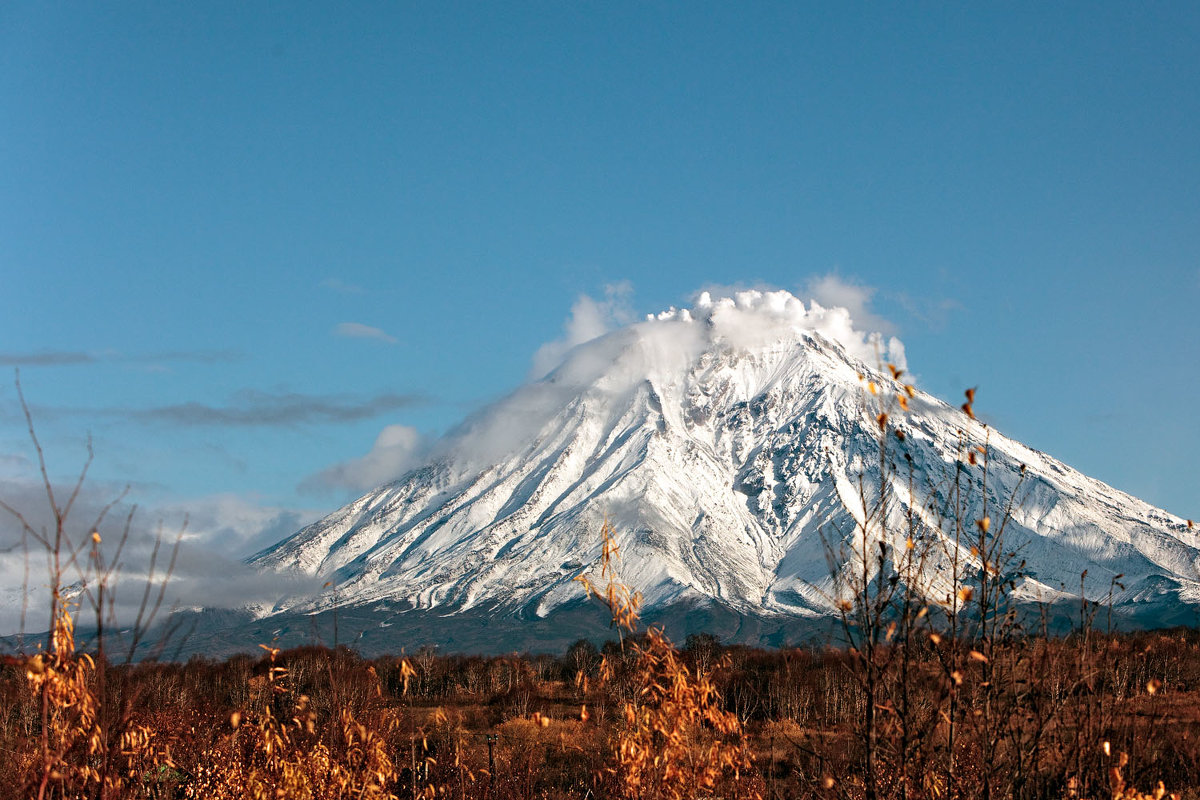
x=214, y=534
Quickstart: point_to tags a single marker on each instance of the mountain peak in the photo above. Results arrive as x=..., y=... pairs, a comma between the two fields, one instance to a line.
x=728, y=444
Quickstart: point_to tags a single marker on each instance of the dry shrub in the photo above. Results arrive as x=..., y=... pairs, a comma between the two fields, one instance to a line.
x=75, y=757
x=674, y=739
x=1117, y=784
x=268, y=757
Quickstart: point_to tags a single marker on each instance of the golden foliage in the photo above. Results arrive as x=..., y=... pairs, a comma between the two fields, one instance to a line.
x=265, y=757
x=75, y=758
x=675, y=741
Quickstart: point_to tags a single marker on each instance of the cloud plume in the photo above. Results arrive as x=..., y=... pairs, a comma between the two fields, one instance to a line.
x=396, y=450
x=589, y=319
x=832, y=292
x=600, y=353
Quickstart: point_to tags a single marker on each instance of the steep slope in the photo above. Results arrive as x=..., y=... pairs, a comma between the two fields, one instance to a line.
x=732, y=446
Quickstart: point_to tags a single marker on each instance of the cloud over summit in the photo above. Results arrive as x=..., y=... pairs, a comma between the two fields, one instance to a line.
x=756, y=317
x=838, y=310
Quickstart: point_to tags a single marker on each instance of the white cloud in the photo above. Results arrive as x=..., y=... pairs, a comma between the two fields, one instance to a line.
x=589, y=319
x=356, y=330
x=831, y=291
x=396, y=450
x=896, y=354
x=755, y=317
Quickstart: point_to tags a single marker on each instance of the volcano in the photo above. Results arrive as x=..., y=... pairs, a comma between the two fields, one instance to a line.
x=737, y=450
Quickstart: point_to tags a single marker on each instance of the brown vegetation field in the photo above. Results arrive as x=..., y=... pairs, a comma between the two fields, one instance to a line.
x=957, y=697
x=1083, y=716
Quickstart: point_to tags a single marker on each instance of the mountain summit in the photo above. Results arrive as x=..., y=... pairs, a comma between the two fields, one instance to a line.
x=732, y=446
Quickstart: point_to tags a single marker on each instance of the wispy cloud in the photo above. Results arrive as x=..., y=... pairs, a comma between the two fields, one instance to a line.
x=59, y=358
x=251, y=408
x=13, y=464
x=356, y=330
x=46, y=358
x=934, y=313
x=341, y=287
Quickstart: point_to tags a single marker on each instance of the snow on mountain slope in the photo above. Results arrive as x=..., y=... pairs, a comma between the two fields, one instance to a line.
x=730, y=445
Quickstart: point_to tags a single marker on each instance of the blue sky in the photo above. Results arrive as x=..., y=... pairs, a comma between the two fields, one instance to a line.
x=238, y=241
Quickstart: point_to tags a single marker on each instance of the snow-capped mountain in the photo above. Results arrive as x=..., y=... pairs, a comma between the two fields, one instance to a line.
x=730, y=445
